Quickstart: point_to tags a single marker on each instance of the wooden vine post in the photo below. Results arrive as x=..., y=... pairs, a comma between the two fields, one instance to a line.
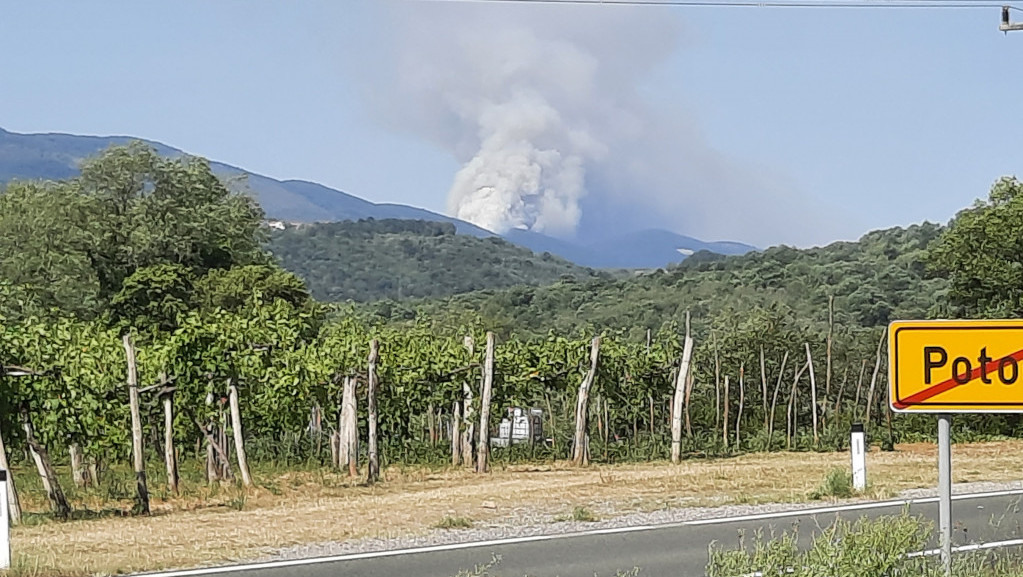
x=827, y=369
x=763, y=387
x=774, y=399
x=681, y=397
x=79, y=476
x=724, y=416
x=580, y=450
x=456, y=433
x=51, y=484
x=348, y=428
x=373, y=474
x=138, y=458
x=236, y=428
x=170, y=458
x=742, y=399
x=873, y=377
x=813, y=395
x=13, y=503
x=483, y=449
x=468, y=426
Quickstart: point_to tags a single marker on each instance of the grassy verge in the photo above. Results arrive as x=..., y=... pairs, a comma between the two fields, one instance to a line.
x=863, y=548
x=222, y=523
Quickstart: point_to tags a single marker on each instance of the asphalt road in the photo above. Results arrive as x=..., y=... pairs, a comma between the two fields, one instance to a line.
x=675, y=550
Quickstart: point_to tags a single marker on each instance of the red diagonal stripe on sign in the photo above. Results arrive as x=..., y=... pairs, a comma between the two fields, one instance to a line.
x=951, y=383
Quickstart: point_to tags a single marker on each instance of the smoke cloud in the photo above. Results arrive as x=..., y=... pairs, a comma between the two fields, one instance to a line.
x=545, y=109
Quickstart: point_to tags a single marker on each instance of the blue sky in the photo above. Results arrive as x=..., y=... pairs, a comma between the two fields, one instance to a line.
x=760, y=125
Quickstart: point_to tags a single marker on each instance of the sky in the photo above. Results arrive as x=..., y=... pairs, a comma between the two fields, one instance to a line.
x=762, y=125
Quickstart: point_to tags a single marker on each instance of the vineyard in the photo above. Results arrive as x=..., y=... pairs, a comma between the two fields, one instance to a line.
x=142, y=323
x=272, y=384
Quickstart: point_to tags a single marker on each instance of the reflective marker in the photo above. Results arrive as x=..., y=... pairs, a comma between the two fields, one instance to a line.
x=857, y=446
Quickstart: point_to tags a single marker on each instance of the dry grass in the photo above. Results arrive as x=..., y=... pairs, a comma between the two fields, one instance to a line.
x=313, y=507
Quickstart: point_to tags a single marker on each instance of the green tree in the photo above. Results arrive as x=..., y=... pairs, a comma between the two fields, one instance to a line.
x=236, y=288
x=981, y=255
x=73, y=244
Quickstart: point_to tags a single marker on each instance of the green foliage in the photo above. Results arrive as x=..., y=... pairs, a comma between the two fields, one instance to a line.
x=73, y=244
x=864, y=548
x=878, y=279
x=154, y=296
x=454, y=523
x=584, y=515
x=981, y=255
x=837, y=484
x=239, y=287
x=372, y=260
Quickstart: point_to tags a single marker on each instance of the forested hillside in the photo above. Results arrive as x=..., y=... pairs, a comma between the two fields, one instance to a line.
x=877, y=279
x=401, y=259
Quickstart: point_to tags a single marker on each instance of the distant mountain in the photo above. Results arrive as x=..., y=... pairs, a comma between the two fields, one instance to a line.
x=651, y=248
x=55, y=156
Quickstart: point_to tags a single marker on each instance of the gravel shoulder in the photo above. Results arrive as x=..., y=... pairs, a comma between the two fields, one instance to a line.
x=523, y=522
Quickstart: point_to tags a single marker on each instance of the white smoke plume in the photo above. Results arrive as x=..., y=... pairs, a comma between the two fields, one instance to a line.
x=543, y=107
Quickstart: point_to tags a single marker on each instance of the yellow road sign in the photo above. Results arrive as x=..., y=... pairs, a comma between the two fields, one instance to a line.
x=956, y=366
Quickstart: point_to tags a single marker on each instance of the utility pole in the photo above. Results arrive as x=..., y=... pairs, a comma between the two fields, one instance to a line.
x=1006, y=26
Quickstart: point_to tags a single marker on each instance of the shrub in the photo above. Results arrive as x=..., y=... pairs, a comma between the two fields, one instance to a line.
x=838, y=484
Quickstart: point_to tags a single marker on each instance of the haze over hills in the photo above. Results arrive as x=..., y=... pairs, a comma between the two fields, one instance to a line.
x=55, y=156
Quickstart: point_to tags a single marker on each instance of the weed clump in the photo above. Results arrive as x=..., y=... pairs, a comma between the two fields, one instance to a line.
x=454, y=523
x=837, y=484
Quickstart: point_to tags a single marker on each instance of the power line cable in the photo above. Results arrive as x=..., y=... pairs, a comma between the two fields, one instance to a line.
x=961, y=4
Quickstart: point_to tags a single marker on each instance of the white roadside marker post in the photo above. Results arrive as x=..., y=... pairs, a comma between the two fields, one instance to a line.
x=857, y=446
x=5, y=524
x=945, y=490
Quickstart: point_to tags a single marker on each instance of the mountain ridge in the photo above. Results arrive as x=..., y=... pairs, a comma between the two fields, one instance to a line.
x=55, y=156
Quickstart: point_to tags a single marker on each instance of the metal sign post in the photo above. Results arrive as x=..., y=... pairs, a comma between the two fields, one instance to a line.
x=5, y=527
x=945, y=367
x=945, y=491
x=858, y=449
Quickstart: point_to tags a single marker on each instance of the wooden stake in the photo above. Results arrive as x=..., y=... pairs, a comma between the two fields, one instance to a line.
x=456, y=434
x=13, y=503
x=763, y=387
x=680, y=399
x=742, y=398
x=468, y=425
x=859, y=388
x=138, y=460
x=717, y=382
x=827, y=373
x=78, y=472
x=349, y=427
x=774, y=400
x=651, y=399
x=841, y=392
x=51, y=484
x=373, y=474
x=580, y=452
x=236, y=428
x=724, y=416
x=431, y=424
x=873, y=378
x=813, y=395
x=791, y=413
x=170, y=458
x=483, y=449
x=689, y=390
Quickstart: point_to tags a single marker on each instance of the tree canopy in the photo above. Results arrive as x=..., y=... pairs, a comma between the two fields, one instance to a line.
x=72, y=245
x=981, y=255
